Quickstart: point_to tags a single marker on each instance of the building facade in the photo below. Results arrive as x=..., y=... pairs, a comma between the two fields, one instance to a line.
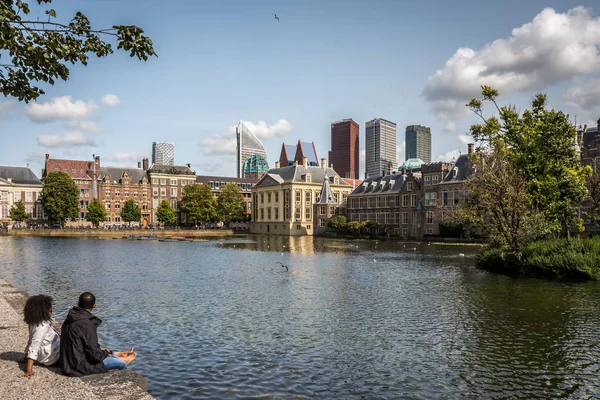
x=20, y=184
x=345, y=148
x=163, y=153
x=283, y=199
x=380, y=147
x=418, y=142
x=121, y=184
x=247, y=145
x=167, y=183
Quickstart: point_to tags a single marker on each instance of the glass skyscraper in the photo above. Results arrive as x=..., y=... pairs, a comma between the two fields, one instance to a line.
x=163, y=153
x=247, y=145
x=418, y=142
x=380, y=147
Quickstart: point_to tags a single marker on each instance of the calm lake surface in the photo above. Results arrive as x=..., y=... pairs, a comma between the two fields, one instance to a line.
x=351, y=319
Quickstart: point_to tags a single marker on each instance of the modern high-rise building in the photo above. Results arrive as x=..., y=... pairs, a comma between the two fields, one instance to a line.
x=247, y=145
x=380, y=147
x=344, y=148
x=163, y=153
x=418, y=142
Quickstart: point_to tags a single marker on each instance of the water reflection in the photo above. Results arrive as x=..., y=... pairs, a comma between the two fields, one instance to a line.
x=350, y=319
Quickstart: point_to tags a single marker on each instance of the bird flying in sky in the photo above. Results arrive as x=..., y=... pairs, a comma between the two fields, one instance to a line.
x=276, y=17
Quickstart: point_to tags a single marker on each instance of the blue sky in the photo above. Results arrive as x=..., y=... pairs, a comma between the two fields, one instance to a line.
x=221, y=62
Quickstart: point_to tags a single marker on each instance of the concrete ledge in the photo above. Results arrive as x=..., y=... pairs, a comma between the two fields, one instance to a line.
x=49, y=382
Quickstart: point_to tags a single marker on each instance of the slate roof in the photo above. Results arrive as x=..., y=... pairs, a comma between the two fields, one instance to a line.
x=326, y=196
x=461, y=166
x=19, y=175
x=116, y=173
x=294, y=173
x=589, y=136
x=171, y=169
x=75, y=168
x=392, y=183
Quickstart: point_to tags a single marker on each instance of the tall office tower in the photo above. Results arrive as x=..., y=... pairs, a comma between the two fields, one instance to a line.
x=344, y=148
x=380, y=147
x=418, y=142
x=248, y=145
x=163, y=153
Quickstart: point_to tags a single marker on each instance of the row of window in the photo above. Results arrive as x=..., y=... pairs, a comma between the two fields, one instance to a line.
x=34, y=212
x=117, y=193
x=448, y=198
x=17, y=196
x=215, y=185
x=173, y=182
x=431, y=180
x=404, y=218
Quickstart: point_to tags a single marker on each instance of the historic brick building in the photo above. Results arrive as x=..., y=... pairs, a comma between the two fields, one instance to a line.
x=167, y=183
x=120, y=184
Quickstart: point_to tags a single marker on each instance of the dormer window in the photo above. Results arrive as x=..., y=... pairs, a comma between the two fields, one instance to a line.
x=454, y=172
x=392, y=183
x=307, y=178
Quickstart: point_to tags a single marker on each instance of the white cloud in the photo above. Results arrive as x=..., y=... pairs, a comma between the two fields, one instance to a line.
x=37, y=157
x=450, y=126
x=60, y=108
x=262, y=130
x=465, y=139
x=585, y=97
x=110, y=100
x=449, y=156
x=84, y=126
x=552, y=48
x=72, y=152
x=69, y=139
x=126, y=157
x=223, y=144
x=7, y=108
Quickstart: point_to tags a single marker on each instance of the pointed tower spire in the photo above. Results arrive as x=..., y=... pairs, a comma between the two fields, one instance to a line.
x=326, y=196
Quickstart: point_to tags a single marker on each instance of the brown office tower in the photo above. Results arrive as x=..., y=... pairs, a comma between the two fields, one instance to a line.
x=344, y=148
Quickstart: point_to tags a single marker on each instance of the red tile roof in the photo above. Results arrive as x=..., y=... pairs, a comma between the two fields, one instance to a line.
x=75, y=168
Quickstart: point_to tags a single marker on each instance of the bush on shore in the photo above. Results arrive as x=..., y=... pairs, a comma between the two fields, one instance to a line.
x=561, y=258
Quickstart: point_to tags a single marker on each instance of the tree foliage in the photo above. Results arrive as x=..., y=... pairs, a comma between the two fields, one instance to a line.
x=96, y=212
x=539, y=145
x=165, y=214
x=60, y=197
x=230, y=204
x=198, y=203
x=38, y=49
x=338, y=223
x=17, y=212
x=130, y=212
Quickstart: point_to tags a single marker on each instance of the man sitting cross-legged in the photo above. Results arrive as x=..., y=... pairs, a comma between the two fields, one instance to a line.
x=80, y=352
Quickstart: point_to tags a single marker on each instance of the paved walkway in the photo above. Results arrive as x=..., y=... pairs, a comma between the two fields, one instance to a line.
x=48, y=383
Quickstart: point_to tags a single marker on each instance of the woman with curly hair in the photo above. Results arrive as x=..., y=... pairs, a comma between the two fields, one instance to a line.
x=44, y=344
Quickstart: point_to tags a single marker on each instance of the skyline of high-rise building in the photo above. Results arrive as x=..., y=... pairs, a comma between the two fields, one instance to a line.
x=163, y=153
x=418, y=142
x=380, y=146
x=344, y=153
x=248, y=145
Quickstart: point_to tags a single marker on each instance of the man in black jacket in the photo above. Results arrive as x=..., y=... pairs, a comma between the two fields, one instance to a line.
x=80, y=353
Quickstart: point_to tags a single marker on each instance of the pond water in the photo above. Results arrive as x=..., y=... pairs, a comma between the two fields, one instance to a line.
x=350, y=319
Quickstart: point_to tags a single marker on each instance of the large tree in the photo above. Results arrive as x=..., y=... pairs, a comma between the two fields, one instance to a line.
x=18, y=213
x=36, y=49
x=96, y=212
x=165, y=214
x=541, y=145
x=198, y=203
x=60, y=197
x=130, y=212
x=230, y=204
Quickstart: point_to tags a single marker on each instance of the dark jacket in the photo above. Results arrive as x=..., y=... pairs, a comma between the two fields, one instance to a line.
x=80, y=353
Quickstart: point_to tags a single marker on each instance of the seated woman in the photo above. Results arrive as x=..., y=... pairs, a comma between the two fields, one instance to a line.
x=43, y=344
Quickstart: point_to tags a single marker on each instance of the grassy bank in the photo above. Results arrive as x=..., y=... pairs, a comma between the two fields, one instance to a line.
x=576, y=258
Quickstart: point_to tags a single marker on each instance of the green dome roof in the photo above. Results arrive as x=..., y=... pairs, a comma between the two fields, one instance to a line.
x=411, y=163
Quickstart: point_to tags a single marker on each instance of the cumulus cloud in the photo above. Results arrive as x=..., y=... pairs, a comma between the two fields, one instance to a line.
x=126, y=157
x=110, y=100
x=448, y=156
x=60, y=108
x=226, y=143
x=465, y=139
x=552, y=48
x=69, y=139
x=84, y=126
x=584, y=97
x=7, y=107
x=450, y=127
x=37, y=157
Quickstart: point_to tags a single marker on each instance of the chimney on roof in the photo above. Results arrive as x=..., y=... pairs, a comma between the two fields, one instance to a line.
x=145, y=163
x=390, y=167
x=139, y=164
x=331, y=165
x=47, y=156
x=366, y=175
x=27, y=165
x=277, y=164
x=97, y=160
x=188, y=165
x=403, y=171
x=296, y=162
x=598, y=122
x=323, y=163
x=305, y=161
x=470, y=148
